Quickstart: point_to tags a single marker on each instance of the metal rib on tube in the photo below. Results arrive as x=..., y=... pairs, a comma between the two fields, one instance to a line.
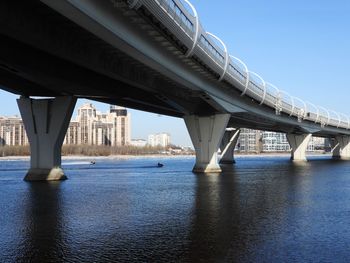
x=196, y=29
x=226, y=54
x=277, y=96
x=303, y=102
x=291, y=99
x=328, y=115
x=317, y=110
x=338, y=116
x=245, y=68
x=268, y=84
x=260, y=78
x=347, y=118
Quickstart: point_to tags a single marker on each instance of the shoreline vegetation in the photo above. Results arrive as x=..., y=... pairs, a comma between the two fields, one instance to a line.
x=125, y=151
x=99, y=150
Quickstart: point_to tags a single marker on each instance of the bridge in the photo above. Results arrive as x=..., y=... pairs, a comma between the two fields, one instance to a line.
x=151, y=55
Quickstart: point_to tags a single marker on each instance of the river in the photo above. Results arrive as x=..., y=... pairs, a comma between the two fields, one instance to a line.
x=262, y=209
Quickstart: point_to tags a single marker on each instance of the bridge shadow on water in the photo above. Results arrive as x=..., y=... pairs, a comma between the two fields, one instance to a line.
x=44, y=227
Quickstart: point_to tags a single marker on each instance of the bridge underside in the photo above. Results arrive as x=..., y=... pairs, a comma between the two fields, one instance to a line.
x=42, y=53
x=45, y=54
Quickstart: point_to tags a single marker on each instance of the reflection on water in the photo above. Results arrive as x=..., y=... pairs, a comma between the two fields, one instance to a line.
x=42, y=237
x=259, y=210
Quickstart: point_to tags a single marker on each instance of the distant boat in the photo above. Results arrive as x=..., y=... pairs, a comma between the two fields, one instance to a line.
x=92, y=162
x=160, y=165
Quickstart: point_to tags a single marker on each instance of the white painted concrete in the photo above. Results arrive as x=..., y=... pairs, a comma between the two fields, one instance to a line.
x=298, y=143
x=228, y=145
x=206, y=134
x=335, y=149
x=46, y=122
x=342, y=149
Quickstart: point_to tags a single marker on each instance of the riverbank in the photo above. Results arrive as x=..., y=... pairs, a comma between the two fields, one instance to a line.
x=161, y=156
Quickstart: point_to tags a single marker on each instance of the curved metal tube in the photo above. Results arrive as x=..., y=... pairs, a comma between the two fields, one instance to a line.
x=317, y=109
x=245, y=68
x=328, y=115
x=240, y=61
x=338, y=116
x=303, y=102
x=226, y=54
x=265, y=90
x=246, y=84
x=264, y=86
x=196, y=29
x=347, y=118
x=274, y=87
x=292, y=100
x=278, y=92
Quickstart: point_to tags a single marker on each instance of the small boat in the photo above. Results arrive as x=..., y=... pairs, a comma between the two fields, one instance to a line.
x=160, y=165
x=92, y=162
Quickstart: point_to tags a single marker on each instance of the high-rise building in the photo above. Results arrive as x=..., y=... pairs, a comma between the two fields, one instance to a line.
x=12, y=131
x=266, y=141
x=249, y=141
x=159, y=139
x=274, y=142
x=90, y=127
x=95, y=128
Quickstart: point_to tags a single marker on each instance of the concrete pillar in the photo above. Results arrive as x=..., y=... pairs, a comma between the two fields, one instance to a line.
x=228, y=145
x=206, y=134
x=335, y=148
x=341, y=147
x=298, y=143
x=46, y=122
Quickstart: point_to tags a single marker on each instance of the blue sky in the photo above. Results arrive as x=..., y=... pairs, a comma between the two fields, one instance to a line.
x=300, y=46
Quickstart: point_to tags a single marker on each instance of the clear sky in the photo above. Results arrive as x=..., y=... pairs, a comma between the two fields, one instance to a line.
x=300, y=46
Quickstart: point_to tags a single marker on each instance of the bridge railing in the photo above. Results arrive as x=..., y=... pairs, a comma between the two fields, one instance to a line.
x=179, y=13
x=213, y=51
x=181, y=18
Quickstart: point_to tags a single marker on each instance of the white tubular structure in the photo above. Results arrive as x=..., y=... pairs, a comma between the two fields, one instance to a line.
x=278, y=92
x=338, y=116
x=347, y=119
x=328, y=115
x=278, y=98
x=220, y=62
x=291, y=99
x=317, y=110
x=264, y=86
x=196, y=29
x=245, y=68
x=302, y=102
x=226, y=55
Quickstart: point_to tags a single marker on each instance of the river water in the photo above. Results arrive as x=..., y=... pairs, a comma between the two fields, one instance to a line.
x=258, y=210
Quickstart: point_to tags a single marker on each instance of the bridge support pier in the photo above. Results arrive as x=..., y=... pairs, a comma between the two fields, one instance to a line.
x=335, y=148
x=341, y=147
x=298, y=143
x=206, y=134
x=46, y=122
x=228, y=145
